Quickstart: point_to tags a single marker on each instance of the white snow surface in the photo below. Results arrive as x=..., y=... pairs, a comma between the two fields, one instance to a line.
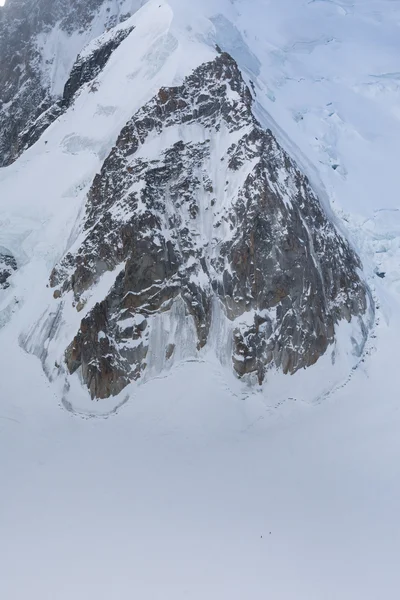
x=192, y=486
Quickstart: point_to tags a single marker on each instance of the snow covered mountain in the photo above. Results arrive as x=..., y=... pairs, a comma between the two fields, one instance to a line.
x=210, y=236
x=199, y=221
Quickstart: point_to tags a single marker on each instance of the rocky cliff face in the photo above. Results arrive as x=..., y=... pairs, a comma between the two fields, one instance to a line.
x=214, y=238
x=39, y=43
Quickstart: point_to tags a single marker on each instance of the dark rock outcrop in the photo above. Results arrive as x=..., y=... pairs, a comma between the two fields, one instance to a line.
x=8, y=265
x=89, y=65
x=218, y=217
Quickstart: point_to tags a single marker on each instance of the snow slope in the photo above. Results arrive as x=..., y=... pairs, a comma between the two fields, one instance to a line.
x=194, y=489
x=189, y=491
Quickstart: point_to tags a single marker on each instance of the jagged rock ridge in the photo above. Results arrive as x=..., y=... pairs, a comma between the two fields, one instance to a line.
x=203, y=214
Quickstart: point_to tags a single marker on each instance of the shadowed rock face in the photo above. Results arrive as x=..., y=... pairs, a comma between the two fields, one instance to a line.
x=8, y=265
x=202, y=211
x=88, y=67
x=27, y=103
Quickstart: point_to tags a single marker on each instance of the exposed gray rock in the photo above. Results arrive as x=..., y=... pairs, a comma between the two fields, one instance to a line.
x=219, y=214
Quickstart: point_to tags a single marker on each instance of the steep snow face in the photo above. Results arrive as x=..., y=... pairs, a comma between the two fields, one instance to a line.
x=88, y=64
x=39, y=43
